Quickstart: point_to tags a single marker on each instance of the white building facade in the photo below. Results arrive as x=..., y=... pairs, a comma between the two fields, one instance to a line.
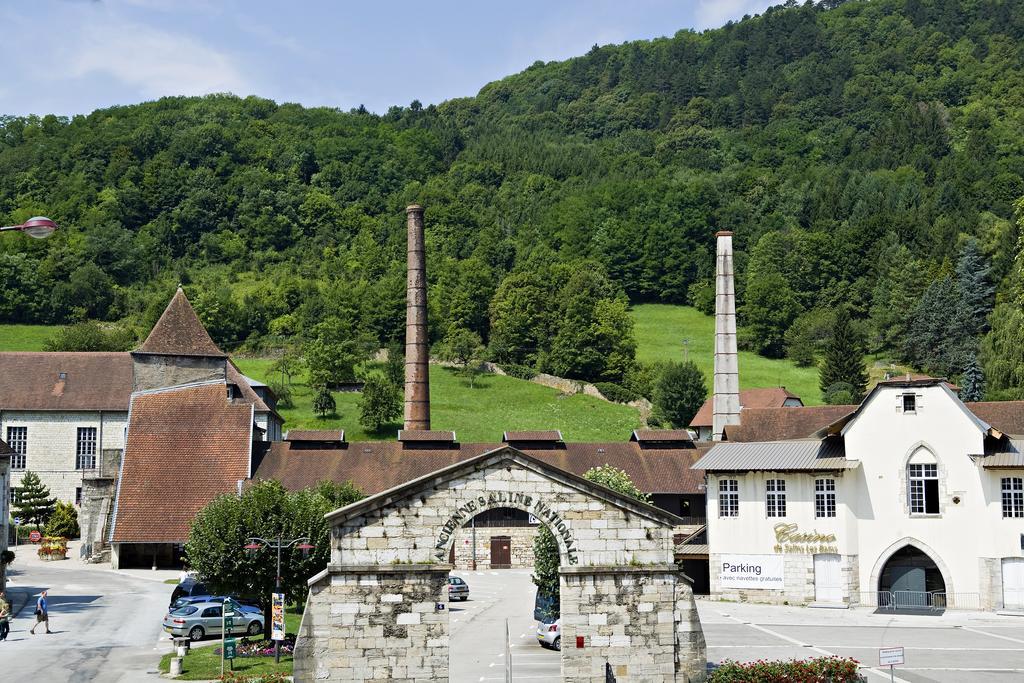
x=912, y=501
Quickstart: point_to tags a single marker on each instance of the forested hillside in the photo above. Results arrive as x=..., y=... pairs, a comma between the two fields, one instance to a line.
x=866, y=154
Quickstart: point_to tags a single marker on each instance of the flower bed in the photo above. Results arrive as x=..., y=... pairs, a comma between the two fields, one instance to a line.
x=821, y=670
x=262, y=648
x=53, y=548
x=233, y=677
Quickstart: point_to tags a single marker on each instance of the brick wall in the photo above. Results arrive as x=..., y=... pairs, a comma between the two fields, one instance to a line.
x=52, y=439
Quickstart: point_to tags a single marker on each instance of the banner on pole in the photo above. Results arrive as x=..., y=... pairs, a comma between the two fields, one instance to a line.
x=277, y=617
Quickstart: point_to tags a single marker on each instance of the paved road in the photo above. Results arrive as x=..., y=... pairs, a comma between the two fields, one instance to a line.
x=478, y=630
x=949, y=648
x=106, y=625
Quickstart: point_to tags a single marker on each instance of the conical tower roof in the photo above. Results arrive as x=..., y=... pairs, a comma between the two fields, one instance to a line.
x=179, y=332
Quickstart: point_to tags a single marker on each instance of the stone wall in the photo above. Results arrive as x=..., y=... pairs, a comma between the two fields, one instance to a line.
x=522, y=546
x=151, y=371
x=376, y=623
x=52, y=438
x=631, y=618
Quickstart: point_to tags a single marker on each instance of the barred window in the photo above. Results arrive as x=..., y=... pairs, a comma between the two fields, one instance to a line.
x=728, y=498
x=776, y=497
x=1013, y=496
x=923, y=480
x=824, y=497
x=85, y=451
x=17, y=439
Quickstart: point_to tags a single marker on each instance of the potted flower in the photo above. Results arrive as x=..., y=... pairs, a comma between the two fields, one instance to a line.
x=53, y=548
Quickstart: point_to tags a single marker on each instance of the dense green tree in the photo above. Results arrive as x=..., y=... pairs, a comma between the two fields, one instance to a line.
x=264, y=510
x=380, y=403
x=64, y=521
x=972, y=381
x=976, y=291
x=842, y=377
x=91, y=336
x=323, y=401
x=333, y=352
x=679, y=392
x=463, y=348
x=769, y=310
x=32, y=500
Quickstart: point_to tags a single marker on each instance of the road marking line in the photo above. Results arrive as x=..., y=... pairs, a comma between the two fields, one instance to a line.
x=994, y=635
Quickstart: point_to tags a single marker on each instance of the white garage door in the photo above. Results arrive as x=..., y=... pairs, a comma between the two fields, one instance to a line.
x=1013, y=583
x=827, y=578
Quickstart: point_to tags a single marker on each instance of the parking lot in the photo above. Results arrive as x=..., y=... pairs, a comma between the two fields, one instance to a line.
x=944, y=648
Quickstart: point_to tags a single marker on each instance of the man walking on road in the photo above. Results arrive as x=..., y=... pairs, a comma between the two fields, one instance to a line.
x=5, y=616
x=42, y=615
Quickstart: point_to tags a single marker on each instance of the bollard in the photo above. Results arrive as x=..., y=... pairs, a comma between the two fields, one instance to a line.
x=181, y=650
x=175, y=666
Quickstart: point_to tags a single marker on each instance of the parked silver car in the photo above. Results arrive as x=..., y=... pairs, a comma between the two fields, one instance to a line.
x=204, y=619
x=457, y=589
x=549, y=634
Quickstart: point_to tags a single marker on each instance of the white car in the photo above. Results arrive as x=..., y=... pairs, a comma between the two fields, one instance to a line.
x=550, y=634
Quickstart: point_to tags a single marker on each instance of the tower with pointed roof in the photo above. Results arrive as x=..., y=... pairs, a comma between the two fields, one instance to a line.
x=177, y=351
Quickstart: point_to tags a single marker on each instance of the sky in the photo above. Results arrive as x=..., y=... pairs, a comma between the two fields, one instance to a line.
x=71, y=57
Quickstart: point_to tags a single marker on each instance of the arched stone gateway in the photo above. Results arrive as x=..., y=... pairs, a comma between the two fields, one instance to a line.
x=374, y=614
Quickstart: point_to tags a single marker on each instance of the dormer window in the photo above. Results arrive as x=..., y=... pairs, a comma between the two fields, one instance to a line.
x=909, y=403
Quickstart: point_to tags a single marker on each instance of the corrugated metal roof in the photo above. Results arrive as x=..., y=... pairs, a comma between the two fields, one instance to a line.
x=1009, y=455
x=776, y=456
x=686, y=550
x=537, y=435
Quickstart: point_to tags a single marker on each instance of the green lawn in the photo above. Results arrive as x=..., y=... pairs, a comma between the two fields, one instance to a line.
x=480, y=413
x=203, y=663
x=661, y=330
x=25, y=337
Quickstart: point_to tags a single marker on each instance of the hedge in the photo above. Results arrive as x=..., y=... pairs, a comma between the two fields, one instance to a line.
x=519, y=371
x=821, y=670
x=616, y=393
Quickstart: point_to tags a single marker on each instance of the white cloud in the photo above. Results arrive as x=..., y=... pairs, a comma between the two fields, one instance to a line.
x=153, y=61
x=715, y=13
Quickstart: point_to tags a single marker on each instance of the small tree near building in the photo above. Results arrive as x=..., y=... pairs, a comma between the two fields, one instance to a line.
x=64, y=521
x=843, y=363
x=323, y=401
x=380, y=404
x=465, y=349
x=973, y=381
x=679, y=392
x=32, y=500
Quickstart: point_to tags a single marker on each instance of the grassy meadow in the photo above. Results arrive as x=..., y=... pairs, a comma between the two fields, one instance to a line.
x=477, y=413
x=25, y=337
x=660, y=331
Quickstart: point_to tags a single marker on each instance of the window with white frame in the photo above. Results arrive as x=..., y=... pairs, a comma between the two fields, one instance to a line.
x=728, y=498
x=923, y=488
x=85, y=450
x=775, y=497
x=824, y=497
x=1013, y=496
x=17, y=439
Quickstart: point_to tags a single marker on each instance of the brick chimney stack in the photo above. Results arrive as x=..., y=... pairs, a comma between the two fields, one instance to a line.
x=726, y=396
x=417, y=350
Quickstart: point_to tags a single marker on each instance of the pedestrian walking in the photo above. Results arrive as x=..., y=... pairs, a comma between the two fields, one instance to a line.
x=42, y=614
x=5, y=616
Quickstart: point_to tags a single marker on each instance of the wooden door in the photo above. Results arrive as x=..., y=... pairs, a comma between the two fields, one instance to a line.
x=501, y=552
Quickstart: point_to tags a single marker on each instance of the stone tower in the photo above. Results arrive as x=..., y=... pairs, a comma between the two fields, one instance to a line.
x=417, y=349
x=726, y=396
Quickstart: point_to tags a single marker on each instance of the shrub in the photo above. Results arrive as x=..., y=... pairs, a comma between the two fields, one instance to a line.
x=63, y=521
x=616, y=393
x=519, y=371
x=283, y=393
x=821, y=670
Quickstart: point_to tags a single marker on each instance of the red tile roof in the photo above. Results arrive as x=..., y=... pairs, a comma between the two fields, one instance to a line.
x=235, y=376
x=376, y=466
x=426, y=435
x=537, y=435
x=660, y=435
x=770, y=397
x=1006, y=416
x=315, y=435
x=782, y=424
x=185, y=447
x=179, y=332
x=92, y=381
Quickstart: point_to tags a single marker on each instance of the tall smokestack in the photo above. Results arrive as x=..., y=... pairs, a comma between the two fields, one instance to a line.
x=417, y=352
x=726, y=397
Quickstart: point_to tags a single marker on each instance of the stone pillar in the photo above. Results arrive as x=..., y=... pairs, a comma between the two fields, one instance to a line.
x=376, y=622
x=417, y=350
x=726, y=395
x=640, y=620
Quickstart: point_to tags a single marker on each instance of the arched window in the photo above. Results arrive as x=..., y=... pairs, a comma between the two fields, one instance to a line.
x=923, y=483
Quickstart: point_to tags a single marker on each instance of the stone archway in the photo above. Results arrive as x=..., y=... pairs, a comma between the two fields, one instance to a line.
x=379, y=609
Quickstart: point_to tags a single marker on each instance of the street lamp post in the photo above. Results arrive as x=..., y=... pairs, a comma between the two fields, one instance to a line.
x=255, y=544
x=38, y=227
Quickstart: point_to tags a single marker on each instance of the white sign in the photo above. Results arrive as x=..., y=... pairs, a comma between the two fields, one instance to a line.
x=890, y=656
x=752, y=571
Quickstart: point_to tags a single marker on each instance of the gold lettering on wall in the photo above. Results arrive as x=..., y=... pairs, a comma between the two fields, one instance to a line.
x=789, y=539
